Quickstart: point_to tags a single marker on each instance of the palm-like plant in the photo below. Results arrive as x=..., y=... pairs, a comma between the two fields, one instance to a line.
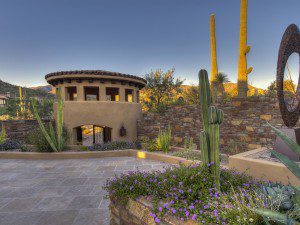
x=55, y=139
x=219, y=82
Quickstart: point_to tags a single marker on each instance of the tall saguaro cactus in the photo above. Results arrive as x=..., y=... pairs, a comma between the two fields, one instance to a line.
x=243, y=71
x=213, y=51
x=210, y=136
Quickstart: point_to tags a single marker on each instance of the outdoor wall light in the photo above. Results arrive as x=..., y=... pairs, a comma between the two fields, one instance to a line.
x=122, y=131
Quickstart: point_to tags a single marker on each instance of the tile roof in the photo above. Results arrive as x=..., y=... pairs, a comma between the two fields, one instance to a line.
x=94, y=72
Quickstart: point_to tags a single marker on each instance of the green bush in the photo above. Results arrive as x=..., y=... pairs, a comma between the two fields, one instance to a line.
x=36, y=137
x=163, y=140
x=188, y=193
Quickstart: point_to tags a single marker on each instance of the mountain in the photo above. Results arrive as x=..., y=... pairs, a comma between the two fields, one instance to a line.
x=27, y=92
x=46, y=88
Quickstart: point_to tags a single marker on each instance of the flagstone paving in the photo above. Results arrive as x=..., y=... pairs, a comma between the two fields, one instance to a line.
x=60, y=192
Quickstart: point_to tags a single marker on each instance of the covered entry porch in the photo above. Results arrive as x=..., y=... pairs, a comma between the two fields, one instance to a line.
x=88, y=135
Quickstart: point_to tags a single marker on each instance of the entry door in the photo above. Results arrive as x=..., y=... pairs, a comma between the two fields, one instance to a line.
x=107, y=134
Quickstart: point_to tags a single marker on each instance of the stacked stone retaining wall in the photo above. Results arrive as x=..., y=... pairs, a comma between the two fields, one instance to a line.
x=244, y=127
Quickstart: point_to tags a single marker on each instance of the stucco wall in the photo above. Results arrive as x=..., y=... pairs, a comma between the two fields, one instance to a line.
x=111, y=114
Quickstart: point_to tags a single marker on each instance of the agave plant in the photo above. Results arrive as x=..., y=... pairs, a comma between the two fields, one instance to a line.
x=295, y=169
x=54, y=138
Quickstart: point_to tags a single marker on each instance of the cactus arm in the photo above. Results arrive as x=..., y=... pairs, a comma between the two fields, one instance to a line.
x=249, y=70
x=293, y=167
x=247, y=49
x=216, y=158
x=290, y=142
x=43, y=129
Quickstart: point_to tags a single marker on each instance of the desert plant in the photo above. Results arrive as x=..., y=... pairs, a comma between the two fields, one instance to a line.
x=211, y=119
x=37, y=138
x=163, y=140
x=276, y=216
x=54, y=138
x=3, y=135
x=188, y=143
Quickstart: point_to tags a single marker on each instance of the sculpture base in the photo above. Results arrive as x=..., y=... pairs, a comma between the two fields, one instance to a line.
x=281, y=147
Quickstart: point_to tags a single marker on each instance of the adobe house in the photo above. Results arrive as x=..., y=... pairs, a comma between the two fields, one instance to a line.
x=3, y=99
x=99, y=106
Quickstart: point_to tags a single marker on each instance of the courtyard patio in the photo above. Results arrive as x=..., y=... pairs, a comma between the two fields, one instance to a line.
x=61, y=192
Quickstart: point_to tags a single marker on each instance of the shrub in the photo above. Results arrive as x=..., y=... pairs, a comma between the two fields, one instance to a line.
x=9, y=145
x=188, y=192
x=115, y=145
x=149, y=144
x=3, y=135
x=163, y=140
x=36, y=137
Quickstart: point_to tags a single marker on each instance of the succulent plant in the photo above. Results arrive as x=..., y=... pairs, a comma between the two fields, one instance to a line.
x=274, y=190
x=211, y=119
x=55, y=139
x=281, y=196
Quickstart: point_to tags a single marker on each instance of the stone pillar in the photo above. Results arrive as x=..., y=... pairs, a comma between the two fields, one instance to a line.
x=102, y=90
x=80, y=93
x=122, y=93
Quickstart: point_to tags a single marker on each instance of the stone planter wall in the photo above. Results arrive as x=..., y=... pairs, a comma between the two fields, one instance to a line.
x=136, y=212
x=244, y=127
x=19, y=129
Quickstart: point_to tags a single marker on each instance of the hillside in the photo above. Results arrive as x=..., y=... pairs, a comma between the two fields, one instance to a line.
x=28, y=92
x=46, y=88
x=232, y=89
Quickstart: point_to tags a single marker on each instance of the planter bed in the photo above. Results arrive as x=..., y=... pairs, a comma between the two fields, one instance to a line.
x=182, y=195
x=262, y=168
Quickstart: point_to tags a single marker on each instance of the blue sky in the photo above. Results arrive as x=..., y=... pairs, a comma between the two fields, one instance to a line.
x=134, y=36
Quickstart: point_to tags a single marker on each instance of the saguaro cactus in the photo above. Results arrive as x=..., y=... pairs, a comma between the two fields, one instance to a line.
x=210, y=136
x=213, y=52
x=243, y=71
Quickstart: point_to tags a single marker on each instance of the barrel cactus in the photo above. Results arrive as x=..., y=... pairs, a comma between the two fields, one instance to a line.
x=212, y=118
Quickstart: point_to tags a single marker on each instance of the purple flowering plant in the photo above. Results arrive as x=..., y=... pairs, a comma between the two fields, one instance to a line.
x=187, y=192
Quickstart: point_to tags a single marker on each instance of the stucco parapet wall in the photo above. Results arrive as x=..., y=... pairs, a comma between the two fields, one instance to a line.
x=95, y=154
x=262, y=169
x=102, y=76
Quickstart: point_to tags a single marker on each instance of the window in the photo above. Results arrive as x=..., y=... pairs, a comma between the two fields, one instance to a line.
x=138, y=96
x=112, y=94
x=128, y=95
x=71, y=93
x=91, y=93
x=2, y=101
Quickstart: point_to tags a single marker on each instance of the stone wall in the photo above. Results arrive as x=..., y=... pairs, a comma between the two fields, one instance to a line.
x=137, y=212
x=19, y=129
x=244, y=127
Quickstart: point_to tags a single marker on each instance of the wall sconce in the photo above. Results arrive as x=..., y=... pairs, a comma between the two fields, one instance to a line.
x=122, y=131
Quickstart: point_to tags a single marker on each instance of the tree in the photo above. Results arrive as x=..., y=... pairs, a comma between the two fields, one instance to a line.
x=161, y=89
x=191, y=94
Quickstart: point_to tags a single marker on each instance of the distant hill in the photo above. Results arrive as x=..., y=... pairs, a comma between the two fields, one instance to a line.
x=29, y=92
x=232, y=89
x=46, y=88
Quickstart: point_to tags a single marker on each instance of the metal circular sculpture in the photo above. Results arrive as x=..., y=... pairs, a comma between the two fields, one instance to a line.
x=290, y=44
